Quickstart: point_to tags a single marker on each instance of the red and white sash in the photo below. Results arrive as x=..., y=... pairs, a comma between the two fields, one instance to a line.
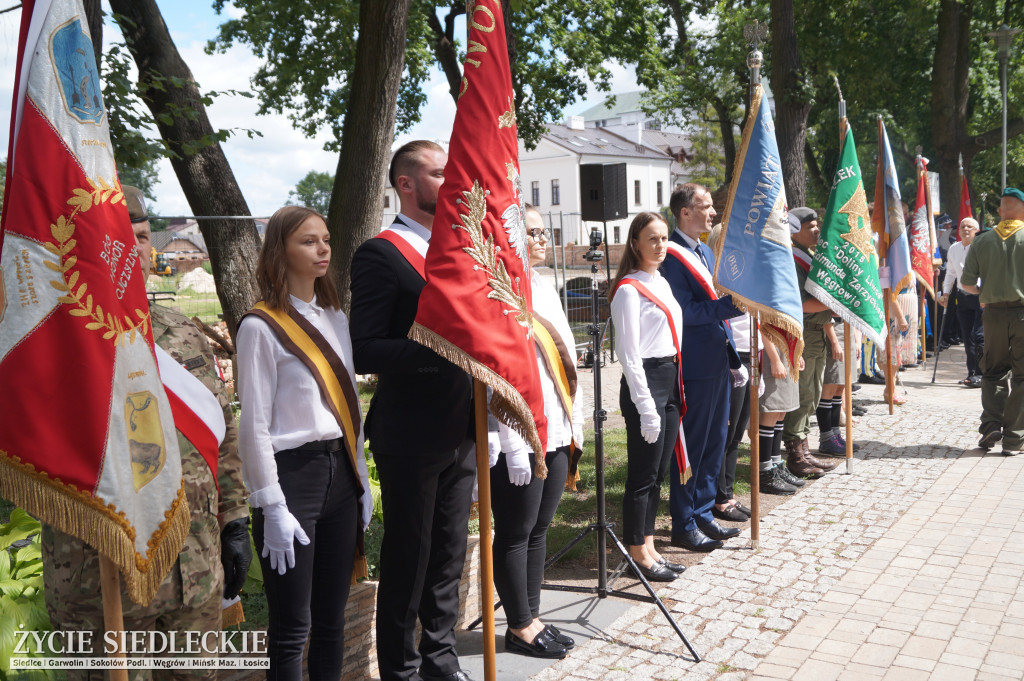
x=692, y=263
x=803, y=260
x=407, y=250
x=197, y=413
x=682, y=456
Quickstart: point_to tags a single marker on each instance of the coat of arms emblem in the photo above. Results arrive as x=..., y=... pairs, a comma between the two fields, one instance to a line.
x=73, y=60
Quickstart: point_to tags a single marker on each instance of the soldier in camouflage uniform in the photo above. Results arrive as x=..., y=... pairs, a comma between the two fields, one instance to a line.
x=215, y=556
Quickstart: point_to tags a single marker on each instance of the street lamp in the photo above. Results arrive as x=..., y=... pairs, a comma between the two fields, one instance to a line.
x=1004, y=39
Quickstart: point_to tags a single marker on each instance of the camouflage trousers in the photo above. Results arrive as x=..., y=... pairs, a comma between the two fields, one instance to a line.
x=71, y=574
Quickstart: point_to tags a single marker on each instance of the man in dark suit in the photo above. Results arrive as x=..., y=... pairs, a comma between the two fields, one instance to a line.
x=417, y=428
x=707, y=355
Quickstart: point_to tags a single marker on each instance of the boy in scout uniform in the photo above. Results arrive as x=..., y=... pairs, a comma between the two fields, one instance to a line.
x=215, y=556
x=994, y=270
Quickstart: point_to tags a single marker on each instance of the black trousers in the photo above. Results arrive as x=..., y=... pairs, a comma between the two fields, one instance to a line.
x=739, y=418
x=309, y=600
x=968, y=314
x=521, y=518
x=426, y=503
x=647, y=463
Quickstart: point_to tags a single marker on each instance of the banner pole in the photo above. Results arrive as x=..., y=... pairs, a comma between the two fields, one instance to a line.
x=483, y=475
x=113, y=616
x=848, y=390
x=890, y=376
x=754, y=433
x=921, y=318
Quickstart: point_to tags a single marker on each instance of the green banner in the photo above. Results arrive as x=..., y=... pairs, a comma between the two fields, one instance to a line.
x=844, y=273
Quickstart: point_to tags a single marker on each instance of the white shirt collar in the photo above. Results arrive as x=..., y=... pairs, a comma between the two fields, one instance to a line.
x=692, y=243
x=305, y=308
x=416, y=227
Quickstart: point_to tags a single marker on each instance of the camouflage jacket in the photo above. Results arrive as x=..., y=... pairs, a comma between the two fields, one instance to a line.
x=201, y=574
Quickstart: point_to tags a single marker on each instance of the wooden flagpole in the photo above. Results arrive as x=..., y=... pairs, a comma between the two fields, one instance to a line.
x=113, y=616
x=483, y=476
x=847, y=331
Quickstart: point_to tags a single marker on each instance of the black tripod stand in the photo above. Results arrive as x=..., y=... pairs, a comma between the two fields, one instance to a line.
x=602, y=527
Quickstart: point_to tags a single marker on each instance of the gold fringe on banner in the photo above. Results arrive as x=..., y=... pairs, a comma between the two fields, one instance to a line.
x=506, y=403
x=768, y=317
x=98, y=524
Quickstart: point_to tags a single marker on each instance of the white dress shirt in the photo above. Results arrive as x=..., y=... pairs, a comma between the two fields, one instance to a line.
x=956, y=256
x=282, y=406
x=416, y=234
x=561, y=431
x=642, y=331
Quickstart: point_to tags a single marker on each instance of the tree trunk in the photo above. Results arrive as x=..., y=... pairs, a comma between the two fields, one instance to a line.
x=356, y=205
x=204, y=175
x=950, y=90
x=94, y=17
x=725, y=125
x=791, y=105
x=444, y=45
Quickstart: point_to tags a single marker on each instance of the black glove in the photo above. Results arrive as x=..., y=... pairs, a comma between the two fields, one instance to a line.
x=235, y=555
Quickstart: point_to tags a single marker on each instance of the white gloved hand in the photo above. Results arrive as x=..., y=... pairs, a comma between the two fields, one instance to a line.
x=760, y=388
x=366, y=501
x=739, y=376
x=577, y=434
x=493, y=448
x=280, y=531
x=518, y=463
x=650, y=426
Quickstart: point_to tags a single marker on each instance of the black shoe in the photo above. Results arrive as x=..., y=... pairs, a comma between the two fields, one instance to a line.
x=771, y=482
x=858, y=411
x=854, y=388
x=789, y=478
x=973, y=382
x=716, y=531
x=567, y=641
x=989, y=439
x=873, y=379
x=730, y=513
x=674, y=567
x=454, y=676
x=695, y=540
x=544, y=645
x=742, y=509
x=656, y=573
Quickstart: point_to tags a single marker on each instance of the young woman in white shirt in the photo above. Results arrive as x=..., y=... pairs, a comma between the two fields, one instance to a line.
x=311, y=495
x=523, y=505
x=648, y=326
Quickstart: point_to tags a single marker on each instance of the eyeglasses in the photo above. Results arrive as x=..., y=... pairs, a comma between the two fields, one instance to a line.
x=538, y=233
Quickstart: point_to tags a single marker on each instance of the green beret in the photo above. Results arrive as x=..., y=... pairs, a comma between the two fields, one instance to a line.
x=1015, y=193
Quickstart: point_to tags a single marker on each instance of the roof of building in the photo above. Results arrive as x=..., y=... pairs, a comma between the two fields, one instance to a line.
x=160, y=240
x=625, y=102
x=669, y=142
x=599, y=142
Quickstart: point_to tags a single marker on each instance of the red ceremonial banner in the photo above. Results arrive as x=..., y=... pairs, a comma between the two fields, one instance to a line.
x=87, y=439
x=921, y=228
x=965, y=205
x=476, y=309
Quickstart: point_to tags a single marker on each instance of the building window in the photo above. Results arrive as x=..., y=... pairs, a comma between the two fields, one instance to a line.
x=556, y=234
x=636, y=192
x=555, y=195
x=615, y=233
x=387, y=201
x=660, y=197
x=535, y=193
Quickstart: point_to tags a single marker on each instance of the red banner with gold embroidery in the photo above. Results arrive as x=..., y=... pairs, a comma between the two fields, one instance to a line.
x=476, y=307
x=87, y=440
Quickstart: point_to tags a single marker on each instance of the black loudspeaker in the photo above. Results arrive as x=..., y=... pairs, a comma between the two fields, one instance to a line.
x=603, y=191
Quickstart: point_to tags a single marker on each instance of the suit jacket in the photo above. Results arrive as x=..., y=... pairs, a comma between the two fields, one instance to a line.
x=707, y=348
x=422, y=404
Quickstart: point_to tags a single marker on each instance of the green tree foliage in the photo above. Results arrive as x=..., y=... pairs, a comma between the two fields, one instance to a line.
x=313, y=191
x=706, y=163
x=560, y=47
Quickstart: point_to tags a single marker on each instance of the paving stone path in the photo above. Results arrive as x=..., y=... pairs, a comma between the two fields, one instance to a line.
x=911, y=567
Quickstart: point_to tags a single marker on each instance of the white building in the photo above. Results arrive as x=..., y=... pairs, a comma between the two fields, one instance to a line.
x=551, y=174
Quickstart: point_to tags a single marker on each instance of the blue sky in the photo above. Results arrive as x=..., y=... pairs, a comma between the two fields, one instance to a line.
x=266, y=167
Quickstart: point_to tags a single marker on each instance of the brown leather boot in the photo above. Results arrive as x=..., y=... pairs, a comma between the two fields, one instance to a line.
x=826, y=466
x=797, y=463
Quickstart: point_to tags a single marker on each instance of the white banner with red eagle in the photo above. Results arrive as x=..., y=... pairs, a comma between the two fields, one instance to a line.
x=87, y=439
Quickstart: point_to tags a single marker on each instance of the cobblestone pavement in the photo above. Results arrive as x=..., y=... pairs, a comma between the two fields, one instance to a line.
x=909, y=568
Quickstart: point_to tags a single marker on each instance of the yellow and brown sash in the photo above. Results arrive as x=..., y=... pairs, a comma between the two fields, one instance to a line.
x=303, y=340
x=561, y=367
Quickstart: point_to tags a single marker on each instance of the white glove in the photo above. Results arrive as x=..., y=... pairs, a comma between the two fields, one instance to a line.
x=366, y=501
x=518, y=463
x=280, y=530
x=650, y=426
x=493, y=447
x=577, y=434
x=760, y=388
x=739, y=376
